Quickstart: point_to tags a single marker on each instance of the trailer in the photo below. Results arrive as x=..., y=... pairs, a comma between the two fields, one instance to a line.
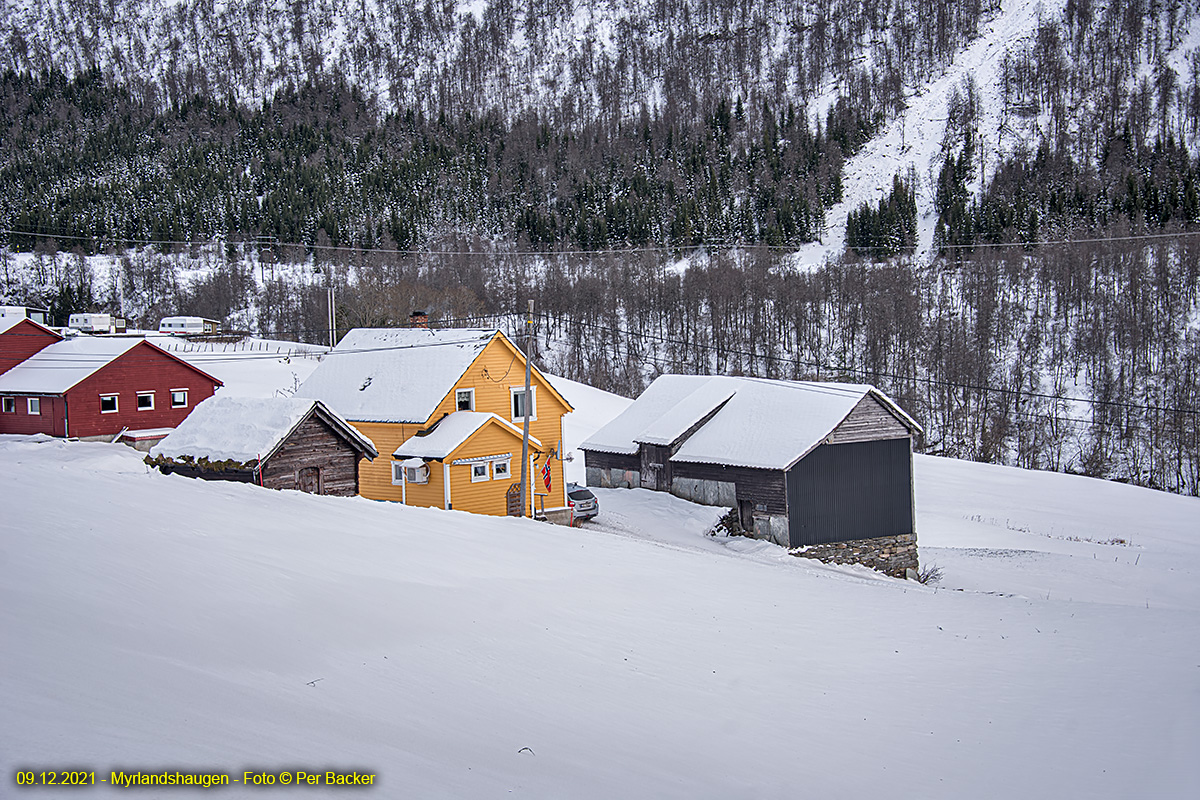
x=96, y=323
x=188, y=326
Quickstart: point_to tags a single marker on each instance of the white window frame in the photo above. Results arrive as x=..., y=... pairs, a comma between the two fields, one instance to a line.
x=33, y=406
x=140, y=395
x=185, y=398
x=512, y=400
x=496, y=476
x=397, y=473
x=9, y=405
x=116, y=398
x=475, y=477
x=470, y=393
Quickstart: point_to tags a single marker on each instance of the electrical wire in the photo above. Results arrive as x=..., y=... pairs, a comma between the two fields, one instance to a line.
x=794, y=248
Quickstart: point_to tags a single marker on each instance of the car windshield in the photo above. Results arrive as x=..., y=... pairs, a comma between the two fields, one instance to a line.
x=581, y=494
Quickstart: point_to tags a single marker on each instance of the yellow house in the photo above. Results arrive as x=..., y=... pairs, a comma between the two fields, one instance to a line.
x=447, y=406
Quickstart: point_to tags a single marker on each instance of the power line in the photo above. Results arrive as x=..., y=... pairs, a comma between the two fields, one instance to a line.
x=790, y=248
x=710, y=348
x=834, y=368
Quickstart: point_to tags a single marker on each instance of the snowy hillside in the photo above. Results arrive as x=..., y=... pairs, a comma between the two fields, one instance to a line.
x=155, y=622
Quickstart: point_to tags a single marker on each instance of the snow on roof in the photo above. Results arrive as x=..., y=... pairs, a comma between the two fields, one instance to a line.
x=394, y=374
x=244, y=429
x=764, y=423
x=59, y=366
x=694, y=407
x=450, y=433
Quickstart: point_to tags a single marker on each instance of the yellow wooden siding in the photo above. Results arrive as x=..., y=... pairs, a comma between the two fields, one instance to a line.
x=432, y=494
x=484, y=497
x=497, y=370
x=375, y=477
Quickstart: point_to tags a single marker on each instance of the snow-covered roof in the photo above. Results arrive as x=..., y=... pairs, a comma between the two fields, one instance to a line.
x=763, y=423
x=245, y=429
x=450, y=433
x=57, y=367
x=394, y=374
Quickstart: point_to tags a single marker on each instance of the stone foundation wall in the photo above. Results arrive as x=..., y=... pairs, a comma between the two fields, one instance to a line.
x=891, y=555
x=772, y=527
x=613, y=478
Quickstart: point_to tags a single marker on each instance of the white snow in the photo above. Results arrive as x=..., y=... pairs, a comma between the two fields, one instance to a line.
x=59, y=366
x=252, y=367
x=451, y=432
x=915, y=137
x=393, y=374
x=243, y=429
x=228, y=627
x=763, y=423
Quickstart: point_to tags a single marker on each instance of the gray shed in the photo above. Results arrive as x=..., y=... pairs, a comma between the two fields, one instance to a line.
x=821, y=466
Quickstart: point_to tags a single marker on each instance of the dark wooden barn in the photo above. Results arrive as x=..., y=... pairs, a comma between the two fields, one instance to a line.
x=821, y=466
x=279, y=443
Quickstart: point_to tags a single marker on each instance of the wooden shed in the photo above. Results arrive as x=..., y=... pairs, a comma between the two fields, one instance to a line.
x=807, y=465
x=278, y=442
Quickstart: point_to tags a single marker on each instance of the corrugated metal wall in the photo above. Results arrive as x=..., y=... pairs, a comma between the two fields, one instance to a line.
x=851, y=491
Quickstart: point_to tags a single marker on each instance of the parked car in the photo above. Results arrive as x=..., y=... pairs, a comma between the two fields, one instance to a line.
x=583, y=503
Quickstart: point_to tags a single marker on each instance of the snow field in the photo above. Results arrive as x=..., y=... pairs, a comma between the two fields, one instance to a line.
x=155, y=621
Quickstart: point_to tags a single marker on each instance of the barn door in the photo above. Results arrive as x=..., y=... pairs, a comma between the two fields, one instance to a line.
x=309, y=480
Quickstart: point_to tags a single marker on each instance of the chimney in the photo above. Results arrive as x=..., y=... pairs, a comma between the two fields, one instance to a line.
x=418, y=319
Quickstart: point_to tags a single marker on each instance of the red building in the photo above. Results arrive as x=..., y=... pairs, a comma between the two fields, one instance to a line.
x=91, y=387
x=21, y=339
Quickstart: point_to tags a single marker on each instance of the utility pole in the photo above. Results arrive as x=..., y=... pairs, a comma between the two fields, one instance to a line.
x=332, y=317
x=525, y=496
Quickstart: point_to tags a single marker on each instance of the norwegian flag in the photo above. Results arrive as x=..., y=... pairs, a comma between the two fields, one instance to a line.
x=546, y=474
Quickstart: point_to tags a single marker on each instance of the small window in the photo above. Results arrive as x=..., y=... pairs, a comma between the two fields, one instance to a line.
x=179, y=398
x=145, y=401
x=500, y=471
x=479, y=472
x=464, y=399
x=518, y=404
x=10, y=405
x=397, y=473
x=35, y=406
x=108, y=404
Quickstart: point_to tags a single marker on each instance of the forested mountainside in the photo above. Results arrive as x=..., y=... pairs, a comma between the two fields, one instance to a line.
x=574, y=61
x=650, y=173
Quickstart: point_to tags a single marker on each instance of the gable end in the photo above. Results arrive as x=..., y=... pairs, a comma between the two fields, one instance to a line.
x=869, y=421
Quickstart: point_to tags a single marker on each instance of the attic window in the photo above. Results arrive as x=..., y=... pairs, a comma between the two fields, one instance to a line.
x=464, y=399
x=518, y=404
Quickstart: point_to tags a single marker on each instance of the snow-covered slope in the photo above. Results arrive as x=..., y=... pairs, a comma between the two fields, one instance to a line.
x=154, y=622
x=915, y=137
